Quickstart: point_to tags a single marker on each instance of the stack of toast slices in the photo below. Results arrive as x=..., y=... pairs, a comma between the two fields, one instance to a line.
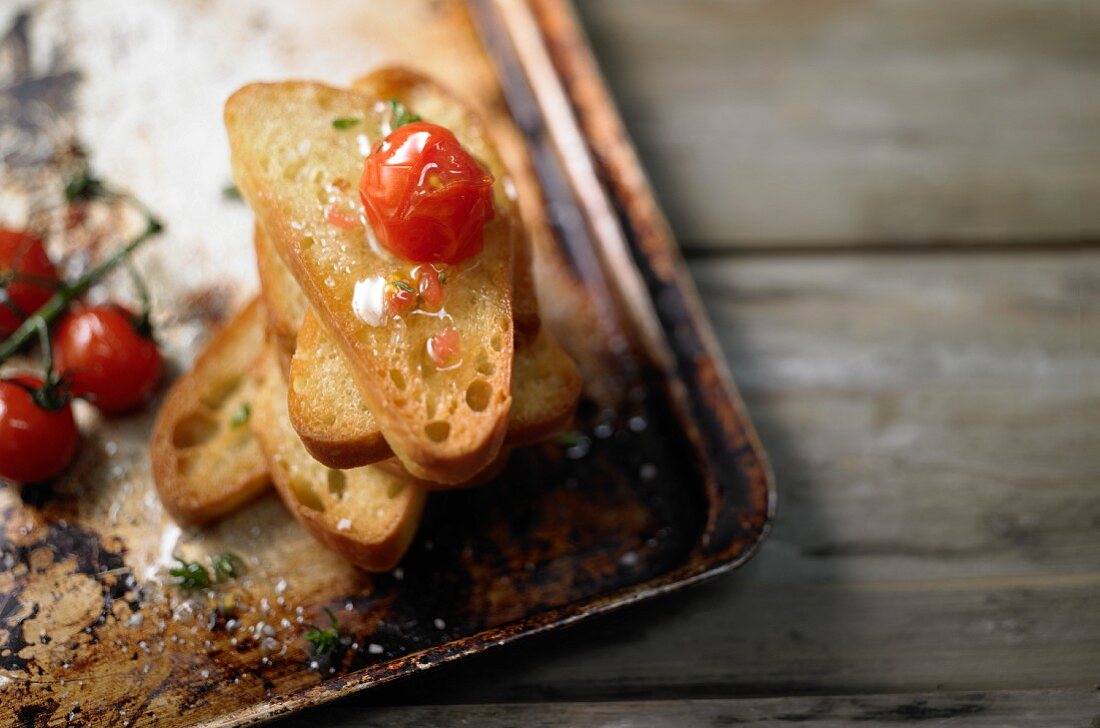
x=345, y=417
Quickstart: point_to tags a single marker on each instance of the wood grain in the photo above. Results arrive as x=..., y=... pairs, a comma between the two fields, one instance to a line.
x=995, y=710
x=934, y=424
x=817, y=122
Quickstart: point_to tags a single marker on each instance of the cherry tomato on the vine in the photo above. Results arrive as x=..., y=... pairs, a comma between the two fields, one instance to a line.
x=30, y=274
x=36, y=443
x=425, y=197
x=106, y=359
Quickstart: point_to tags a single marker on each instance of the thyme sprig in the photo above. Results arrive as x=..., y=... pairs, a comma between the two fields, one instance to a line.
x=190, y=575
x=324, y=640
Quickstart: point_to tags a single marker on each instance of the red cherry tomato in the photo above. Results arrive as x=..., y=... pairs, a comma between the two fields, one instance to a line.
x=400, y=299
x=36, y=444
x=426, y=198
x=445, y=348
x=107, y=360
x=24, y=255
x=431, y=289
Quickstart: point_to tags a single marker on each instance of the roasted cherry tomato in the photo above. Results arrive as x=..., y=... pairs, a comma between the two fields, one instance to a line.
x=400, y=298
x=31, y=285
x=430, y=287
x=445, y=348
x=36, y=443
x=426, y=198
x=106, y=359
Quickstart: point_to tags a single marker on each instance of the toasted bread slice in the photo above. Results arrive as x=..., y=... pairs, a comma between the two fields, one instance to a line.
x=288, y=159
x=336, y=425
x=206, y=462
x=283, y=299
x=338, y=428
x=331, y=417
x=547, y=387
x=327, y=411
x=367, y=515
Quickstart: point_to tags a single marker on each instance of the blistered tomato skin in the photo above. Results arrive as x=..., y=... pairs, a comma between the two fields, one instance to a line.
x=425, y=197
x=106, y=359
x=36, y=444
x=23, y=254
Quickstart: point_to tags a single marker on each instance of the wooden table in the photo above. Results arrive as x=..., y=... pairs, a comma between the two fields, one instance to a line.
x=891, y=210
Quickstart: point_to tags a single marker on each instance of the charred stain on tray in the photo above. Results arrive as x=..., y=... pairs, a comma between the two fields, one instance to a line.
x=75, y=550
x=563, y=522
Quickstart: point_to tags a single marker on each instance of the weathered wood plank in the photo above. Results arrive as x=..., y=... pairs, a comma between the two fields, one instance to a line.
x=940, y=409
x=999, y=709
x=934, y=423
x=861, y=121
x=752, y=635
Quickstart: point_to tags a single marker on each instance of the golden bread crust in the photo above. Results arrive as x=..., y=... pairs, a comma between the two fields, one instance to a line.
x=206, y=464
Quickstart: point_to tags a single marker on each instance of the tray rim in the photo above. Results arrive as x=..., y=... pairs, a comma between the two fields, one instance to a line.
x=557, y=25
x=481, y=642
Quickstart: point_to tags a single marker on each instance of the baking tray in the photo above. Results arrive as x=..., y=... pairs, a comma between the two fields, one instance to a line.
x=663, y=483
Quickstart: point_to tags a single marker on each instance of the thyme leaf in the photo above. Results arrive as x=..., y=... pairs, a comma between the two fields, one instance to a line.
x=226, y=566
x=568, y=439
x=344, y=122
x=325, y=640
x=190, y=574
x=400, y=115
x=241, y=416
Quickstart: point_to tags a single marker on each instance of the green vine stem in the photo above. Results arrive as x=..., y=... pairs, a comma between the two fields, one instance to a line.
x=54, y=393
x=66, y=293
x=143, y=322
